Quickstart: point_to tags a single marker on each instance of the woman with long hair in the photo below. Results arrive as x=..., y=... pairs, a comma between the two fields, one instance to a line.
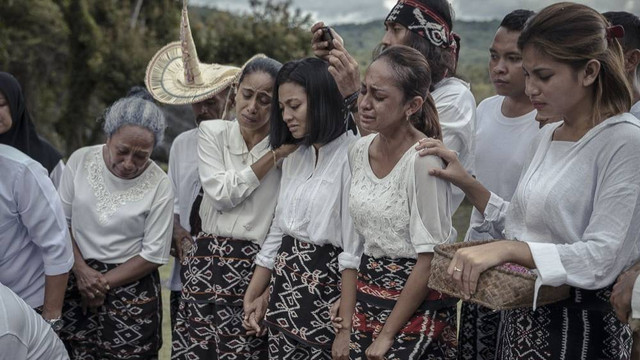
x=575, y=214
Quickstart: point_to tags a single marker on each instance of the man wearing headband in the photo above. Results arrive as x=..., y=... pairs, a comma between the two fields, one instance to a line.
x=175, y=76
x=425, y=25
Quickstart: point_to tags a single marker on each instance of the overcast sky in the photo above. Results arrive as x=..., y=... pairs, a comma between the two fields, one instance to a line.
x=345, y=11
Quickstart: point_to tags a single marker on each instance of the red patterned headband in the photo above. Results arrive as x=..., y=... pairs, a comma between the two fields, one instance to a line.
x=422, y=21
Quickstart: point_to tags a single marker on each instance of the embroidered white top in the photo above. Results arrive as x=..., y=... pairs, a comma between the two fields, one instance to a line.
x=635, y=110
x=580, y=216
x=457, y=114
x=34, y=240
x=502, y=147
x=185, y=182
x=313, y=203
x=114, y=219
x=235, y=203
x=403, y=214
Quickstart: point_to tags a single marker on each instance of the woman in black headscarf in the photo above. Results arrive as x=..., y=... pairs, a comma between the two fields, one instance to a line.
x=22, y=132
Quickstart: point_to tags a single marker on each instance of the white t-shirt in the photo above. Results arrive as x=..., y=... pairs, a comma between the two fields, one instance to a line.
x=502, y=146
x=457, y=114
x=635, y=110
x=403, y=214
x=235, y=203
x=34, y=239
x=24, y=335
x=114, y=219
x=313, y=203
x=185, y=182
x=580, y=215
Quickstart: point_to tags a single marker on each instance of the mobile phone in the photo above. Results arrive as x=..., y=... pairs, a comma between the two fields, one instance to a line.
x=327, y=36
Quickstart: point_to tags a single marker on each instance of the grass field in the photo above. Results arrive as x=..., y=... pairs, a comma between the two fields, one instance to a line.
x=460, y=221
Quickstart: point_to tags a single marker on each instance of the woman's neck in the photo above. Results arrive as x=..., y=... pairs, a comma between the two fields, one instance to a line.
x=398, y=140
x=253, y=136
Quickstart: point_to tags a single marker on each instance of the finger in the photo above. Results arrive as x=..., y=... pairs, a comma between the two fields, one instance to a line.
x=254, y=324
x=466, y=285
x=315, y=27
x=335, y=62
x=474, y=276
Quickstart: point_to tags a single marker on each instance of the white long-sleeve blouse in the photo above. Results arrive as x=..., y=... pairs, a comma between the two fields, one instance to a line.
x=313, y=203
x=580, y=215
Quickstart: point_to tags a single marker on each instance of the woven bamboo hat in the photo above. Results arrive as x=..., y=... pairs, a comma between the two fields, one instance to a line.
x=176, y=76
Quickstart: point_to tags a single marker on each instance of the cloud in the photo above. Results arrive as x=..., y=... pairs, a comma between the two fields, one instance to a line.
x=349, y=11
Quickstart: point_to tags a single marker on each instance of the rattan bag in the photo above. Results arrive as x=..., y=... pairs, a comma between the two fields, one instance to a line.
x=502, y=287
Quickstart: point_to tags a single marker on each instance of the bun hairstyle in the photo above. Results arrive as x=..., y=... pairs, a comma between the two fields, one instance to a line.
x=575, y=34
x=412, y=74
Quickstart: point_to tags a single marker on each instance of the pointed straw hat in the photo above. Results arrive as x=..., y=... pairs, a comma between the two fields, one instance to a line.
x=176, y=76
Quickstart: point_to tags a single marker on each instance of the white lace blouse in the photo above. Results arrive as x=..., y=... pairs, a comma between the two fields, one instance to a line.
x=114, y=219
x=579, y=213
x=403, y=214
x=313, y=203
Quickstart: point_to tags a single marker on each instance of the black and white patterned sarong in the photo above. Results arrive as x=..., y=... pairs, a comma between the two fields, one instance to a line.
x=127, y=326
x=215, y=274
x=582, y=327
x=478, y=334
x=304, y=285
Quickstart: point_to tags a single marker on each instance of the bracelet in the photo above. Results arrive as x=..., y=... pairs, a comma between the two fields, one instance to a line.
x=275, y=158
x=351, y=100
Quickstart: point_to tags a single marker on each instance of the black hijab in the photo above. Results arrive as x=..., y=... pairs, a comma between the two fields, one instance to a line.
x=22, y=134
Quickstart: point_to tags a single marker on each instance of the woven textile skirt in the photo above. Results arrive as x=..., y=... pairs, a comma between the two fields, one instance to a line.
x=478, y=334
x=304, y=285
x=582, y=327
x=127, y=326
x=215, y=275
x=429, y=334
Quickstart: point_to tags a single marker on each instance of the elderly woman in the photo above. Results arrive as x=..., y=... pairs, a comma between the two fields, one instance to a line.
x=119, y=206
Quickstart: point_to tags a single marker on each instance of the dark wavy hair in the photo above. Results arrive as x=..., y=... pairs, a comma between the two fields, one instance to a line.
x=325, y=120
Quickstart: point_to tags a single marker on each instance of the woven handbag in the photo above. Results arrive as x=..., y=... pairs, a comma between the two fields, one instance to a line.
x=503, y=287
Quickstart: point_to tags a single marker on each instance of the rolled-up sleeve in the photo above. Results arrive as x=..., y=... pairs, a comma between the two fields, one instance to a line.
x=269, y=249
x=352, y=243
x=226, y=187
x=41, y=213
x=635, y=299
x=495, y=215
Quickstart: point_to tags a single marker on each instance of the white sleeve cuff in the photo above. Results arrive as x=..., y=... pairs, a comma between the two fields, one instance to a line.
x=57, y=269
x=493, y=215
x=549, y=267
x=348, y=261
x=154, y=259
x=264, y=261
x=635, y=299
x=249, y=177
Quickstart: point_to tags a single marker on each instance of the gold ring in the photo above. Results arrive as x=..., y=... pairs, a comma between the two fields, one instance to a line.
x=455, y=268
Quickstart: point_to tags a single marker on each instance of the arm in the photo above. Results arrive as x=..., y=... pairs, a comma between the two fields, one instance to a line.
x=225, y=186
x=340, y=348
x=256, y=299
x=625, y=295
x=179, y=234
x=130, y=271
x=41, y=212
x=268, y=161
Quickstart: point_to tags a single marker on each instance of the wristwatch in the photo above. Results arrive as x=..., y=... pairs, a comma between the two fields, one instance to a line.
x=56, y=324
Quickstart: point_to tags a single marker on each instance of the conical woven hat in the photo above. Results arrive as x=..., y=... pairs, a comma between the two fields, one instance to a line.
x=176, y=76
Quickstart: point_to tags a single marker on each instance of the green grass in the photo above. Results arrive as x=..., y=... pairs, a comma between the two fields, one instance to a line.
x=460, y=222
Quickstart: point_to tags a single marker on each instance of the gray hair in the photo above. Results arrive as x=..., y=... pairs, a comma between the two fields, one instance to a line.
x=135, y=111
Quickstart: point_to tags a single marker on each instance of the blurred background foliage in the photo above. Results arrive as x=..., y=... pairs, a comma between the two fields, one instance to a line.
x=75, y=57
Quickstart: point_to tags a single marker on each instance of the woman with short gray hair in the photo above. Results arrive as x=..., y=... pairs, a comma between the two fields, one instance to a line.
x=119, y=207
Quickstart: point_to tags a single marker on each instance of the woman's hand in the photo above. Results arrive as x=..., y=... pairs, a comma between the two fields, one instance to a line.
x=91, y=283
x=318, y=45
x=454, y=172
x=254, y=311
x=468, y=263
x=336, y=320
x=623, y=292
x=180, y=235
x=340, y=347
x=285, y=150
x=379, y=348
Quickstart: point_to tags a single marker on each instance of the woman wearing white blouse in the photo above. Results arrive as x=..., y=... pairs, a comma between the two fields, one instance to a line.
x=119, y=206
x=401, y=213
x=312, y=238
x=576, y=210
x=240, y=184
